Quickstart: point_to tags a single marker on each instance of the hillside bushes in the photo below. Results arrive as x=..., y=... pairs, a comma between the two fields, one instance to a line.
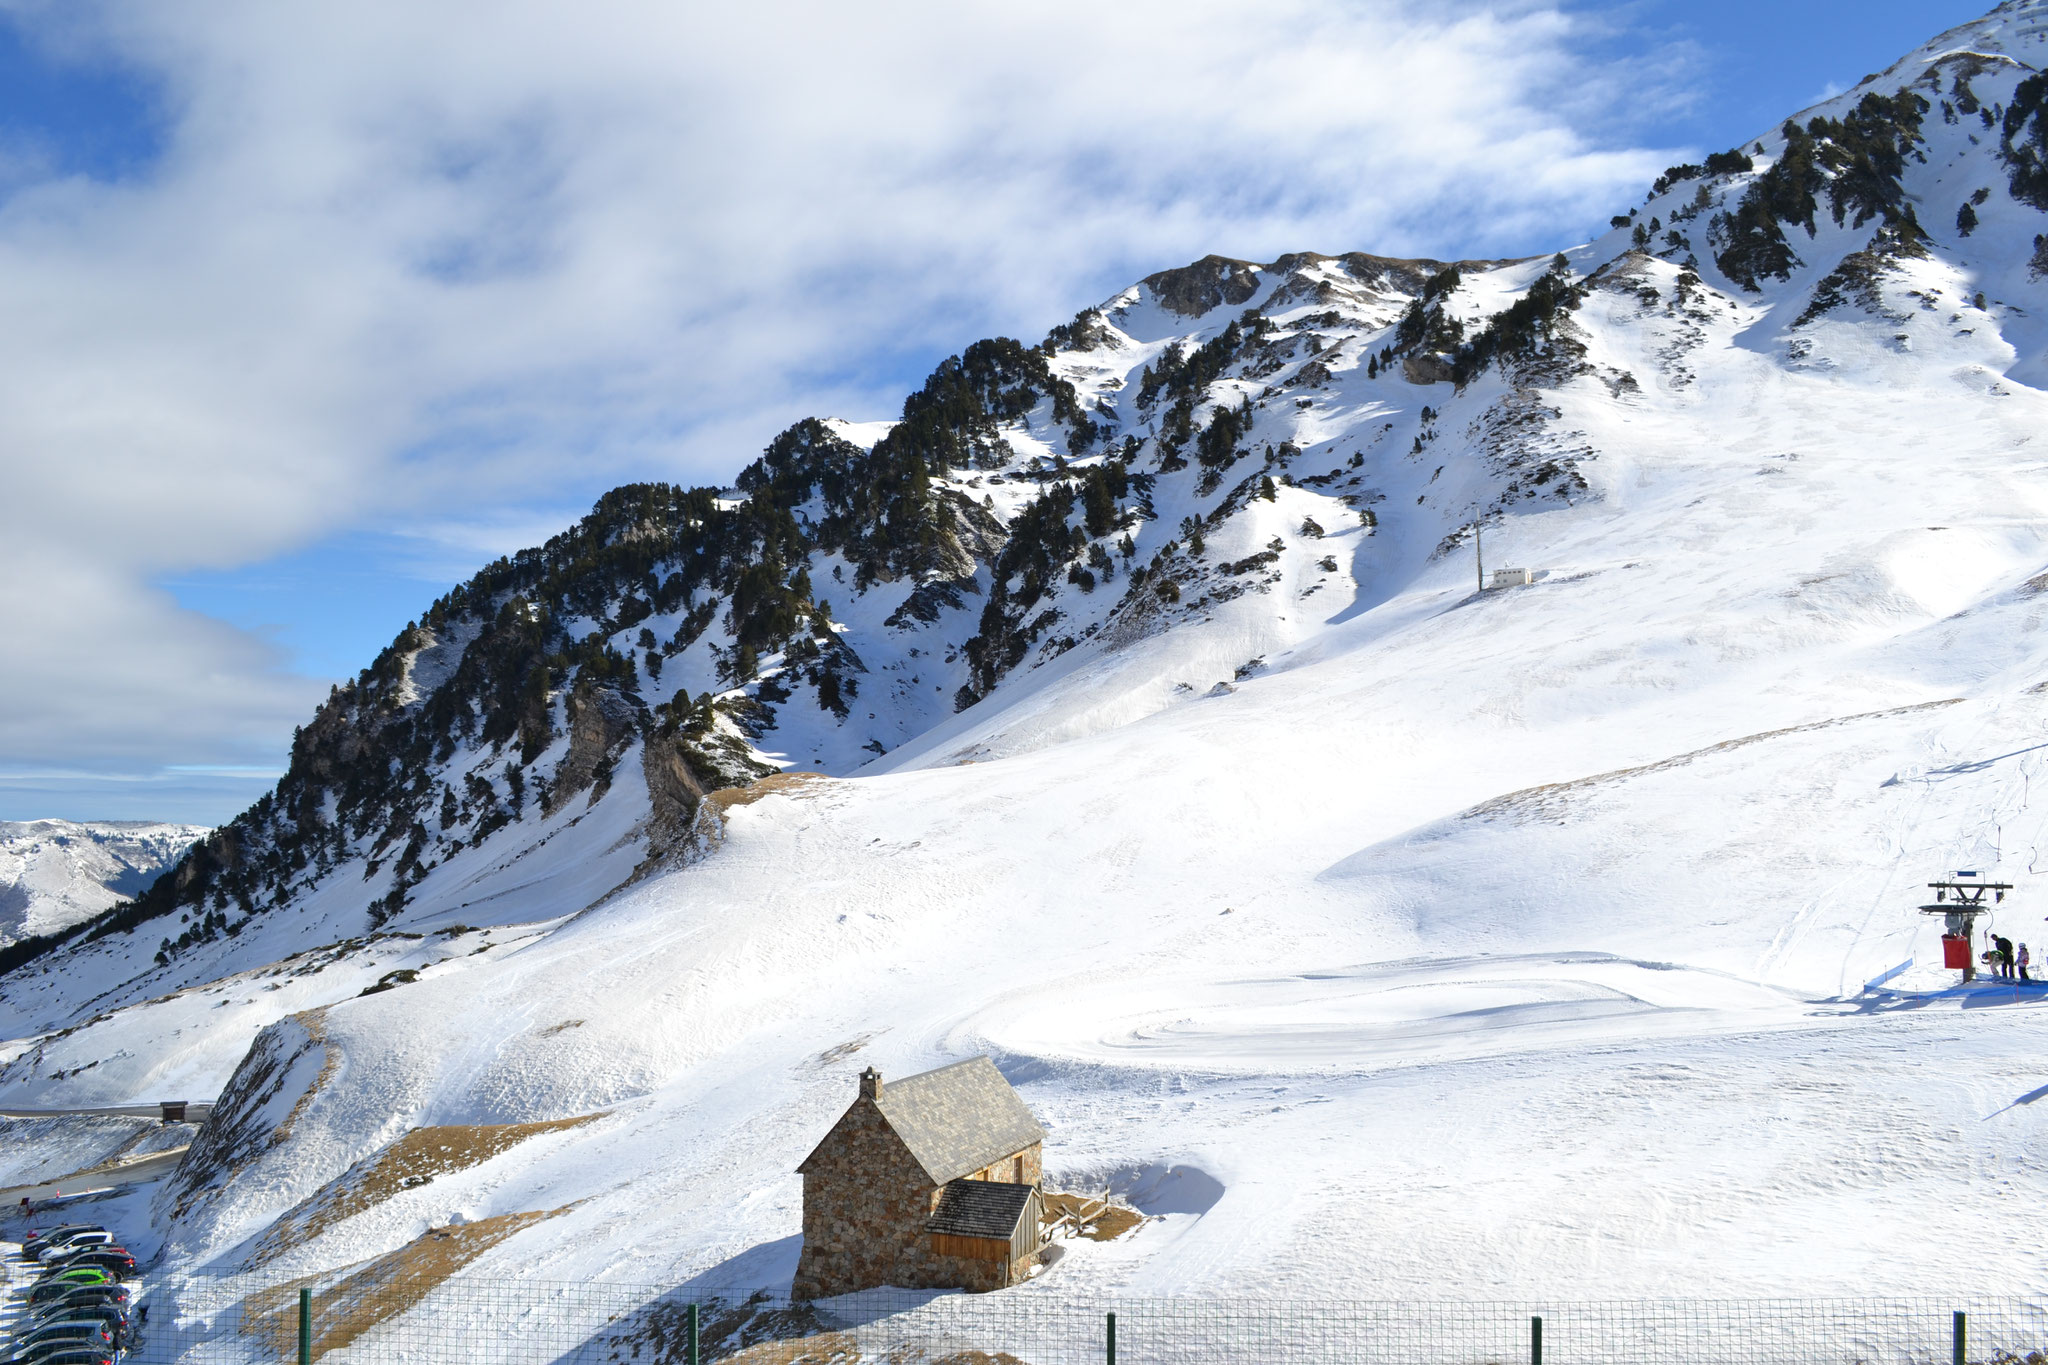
x=1858, y=160
x=2023, y=141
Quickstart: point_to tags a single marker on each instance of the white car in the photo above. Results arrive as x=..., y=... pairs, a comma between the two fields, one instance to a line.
x=71, y=1246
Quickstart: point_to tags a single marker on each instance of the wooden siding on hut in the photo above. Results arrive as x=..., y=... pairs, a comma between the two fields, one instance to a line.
x=971, y=1248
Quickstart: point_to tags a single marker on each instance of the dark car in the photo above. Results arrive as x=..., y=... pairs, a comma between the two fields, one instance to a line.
x=70, y=1353
x=74, y=1355
x=81, y=1296
x=71, y=1332
x=115, y=1315
x=116, y=1261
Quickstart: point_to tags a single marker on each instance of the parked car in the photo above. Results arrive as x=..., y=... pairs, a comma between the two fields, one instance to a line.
x=57, y=1281
x=71, y=1255
x=67, y=1309
x=70, y=1353
x=70, y=1332
x=56, y=1251
x=81, y=1297
x=116, y=1261
x=78, y=1237
x=76, y=1242
x=56, y=1237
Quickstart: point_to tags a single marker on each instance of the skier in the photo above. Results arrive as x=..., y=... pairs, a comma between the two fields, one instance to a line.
x=2004, y=946
x=2024, y=959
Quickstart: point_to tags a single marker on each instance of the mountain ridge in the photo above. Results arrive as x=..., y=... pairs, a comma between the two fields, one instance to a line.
x=816, y=496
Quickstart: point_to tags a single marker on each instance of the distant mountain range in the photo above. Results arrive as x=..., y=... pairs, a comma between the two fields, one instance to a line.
x=55, y=874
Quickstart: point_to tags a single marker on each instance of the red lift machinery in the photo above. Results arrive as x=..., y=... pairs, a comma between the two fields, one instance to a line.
x=1959, y=901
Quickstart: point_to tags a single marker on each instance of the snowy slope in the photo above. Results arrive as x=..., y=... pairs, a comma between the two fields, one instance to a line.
x=55, y=873
x=1384, y=936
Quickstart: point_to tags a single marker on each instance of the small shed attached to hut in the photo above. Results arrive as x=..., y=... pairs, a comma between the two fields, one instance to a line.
x=928, y=1183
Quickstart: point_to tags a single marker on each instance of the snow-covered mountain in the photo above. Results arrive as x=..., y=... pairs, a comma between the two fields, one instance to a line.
x=1128, y=709
x=57, y=873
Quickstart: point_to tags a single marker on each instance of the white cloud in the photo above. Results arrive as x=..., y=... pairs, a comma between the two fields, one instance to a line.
x=410, y=264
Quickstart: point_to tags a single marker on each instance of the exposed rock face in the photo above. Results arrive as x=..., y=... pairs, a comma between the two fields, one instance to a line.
x=674, y=789
x=601, y=721
x=1193, y=290
x=1427, y=368
x=281, y=1074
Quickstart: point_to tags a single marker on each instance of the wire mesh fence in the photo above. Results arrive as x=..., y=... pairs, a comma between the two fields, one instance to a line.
x=425, y=1321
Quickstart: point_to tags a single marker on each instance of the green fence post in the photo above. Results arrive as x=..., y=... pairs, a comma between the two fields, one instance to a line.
x=305, y=1327
x=1536, y=1341
x=690, y=1335
x=1112, y=1339
x=1958, y=1335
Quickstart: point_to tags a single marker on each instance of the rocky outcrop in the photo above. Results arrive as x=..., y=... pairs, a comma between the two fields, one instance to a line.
x=282, y=1072
x=1427, y=367
x=601, y=722
x=674, y=790
x=1193, y=290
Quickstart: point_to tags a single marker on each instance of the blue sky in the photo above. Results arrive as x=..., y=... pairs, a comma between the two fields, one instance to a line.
x=235, y=232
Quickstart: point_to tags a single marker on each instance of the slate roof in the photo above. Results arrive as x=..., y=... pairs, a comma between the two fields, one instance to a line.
x=959, y=1118
x=980, y=1208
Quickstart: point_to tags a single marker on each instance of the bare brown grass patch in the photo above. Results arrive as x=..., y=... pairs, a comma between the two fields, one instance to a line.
x=787, y=784
x=413, y=1160
x=383, y=1289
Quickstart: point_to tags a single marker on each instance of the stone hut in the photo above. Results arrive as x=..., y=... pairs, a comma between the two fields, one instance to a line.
x=928, y=1183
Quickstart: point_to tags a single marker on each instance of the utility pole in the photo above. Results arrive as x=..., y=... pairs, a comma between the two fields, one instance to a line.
x=1479, y=556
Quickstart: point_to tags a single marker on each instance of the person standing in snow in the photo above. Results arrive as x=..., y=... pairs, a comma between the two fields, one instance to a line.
x=2004, y=946
x=2023, y=960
